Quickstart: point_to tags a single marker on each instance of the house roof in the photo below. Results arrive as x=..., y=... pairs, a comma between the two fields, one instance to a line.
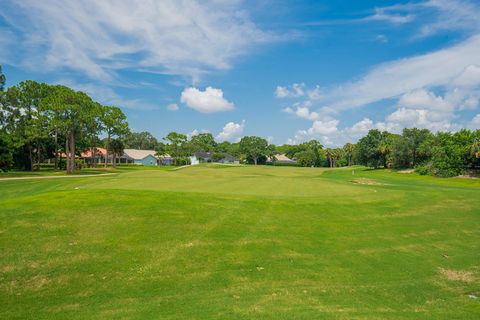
x=283, y=158
x=142, y=154
x=202, y=154
x=138, y=154
x=98, y=151
x=208, y=155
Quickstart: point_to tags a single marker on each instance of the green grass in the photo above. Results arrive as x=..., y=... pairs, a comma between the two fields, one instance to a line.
x=217, y=242
x=86, y=171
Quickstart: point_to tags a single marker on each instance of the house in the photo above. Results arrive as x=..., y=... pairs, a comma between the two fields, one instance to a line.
x=282, y=158
x=193, y=160
x=95, y=156
x=144, y=157
x=199, y=157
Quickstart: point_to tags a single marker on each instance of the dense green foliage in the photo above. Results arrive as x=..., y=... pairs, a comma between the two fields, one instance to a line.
x=6, y=152
x=371, y=149
x=411, y=148
x=140, y=140
x=203, y=142
x=219, y=242
x=307, y=154
x=256, y=149
x=443, y=154
x=41, y=121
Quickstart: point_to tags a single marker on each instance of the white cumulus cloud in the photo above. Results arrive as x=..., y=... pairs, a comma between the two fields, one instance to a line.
x=208, y=101
x=302, y=110
x=231, y=132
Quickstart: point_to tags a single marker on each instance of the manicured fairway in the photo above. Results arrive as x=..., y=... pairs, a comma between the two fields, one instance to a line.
x=223, y=242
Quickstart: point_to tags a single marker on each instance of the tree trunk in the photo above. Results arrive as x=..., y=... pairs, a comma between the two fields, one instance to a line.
x=414, y=157
x=255, y=160
x=114, y=160
x=93, y=154
x=39, y=155
x=106, y=158
x=67, y=154
x=56, y=149
x=72, y=150
x=106, y=149
x=30, y=157
x=71, y=153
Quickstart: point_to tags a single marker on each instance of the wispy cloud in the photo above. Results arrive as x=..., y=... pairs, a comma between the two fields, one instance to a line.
x=395, y=15
x=98, y=38
x=389, y=80
x=433, y=16
x=297, y=90
x=385, y=14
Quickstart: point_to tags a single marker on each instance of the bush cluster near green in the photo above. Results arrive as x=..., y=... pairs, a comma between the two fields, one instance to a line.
x=225, y=242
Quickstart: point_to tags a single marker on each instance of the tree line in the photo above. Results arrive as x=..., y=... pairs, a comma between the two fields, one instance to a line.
x=441, y=154
x=39, y=121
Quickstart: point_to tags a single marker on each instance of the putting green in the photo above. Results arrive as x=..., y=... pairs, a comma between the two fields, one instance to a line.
x=219, y=242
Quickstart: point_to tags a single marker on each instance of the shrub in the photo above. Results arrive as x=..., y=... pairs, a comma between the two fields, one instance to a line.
x=216, y=157
x=80, y=164
x=422, y=170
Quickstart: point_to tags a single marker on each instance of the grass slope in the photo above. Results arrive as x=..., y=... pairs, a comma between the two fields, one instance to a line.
x=214, y=242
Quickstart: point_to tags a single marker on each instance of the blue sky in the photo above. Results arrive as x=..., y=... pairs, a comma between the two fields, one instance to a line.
x=287, y=70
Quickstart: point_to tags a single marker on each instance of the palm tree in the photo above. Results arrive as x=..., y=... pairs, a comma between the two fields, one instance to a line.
x=475, y=149
x=384, y=150
x=336, y=154
x=348, y=149
x=329, y=154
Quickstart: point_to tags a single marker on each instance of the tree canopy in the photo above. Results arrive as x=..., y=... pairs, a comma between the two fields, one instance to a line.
x=254, y=148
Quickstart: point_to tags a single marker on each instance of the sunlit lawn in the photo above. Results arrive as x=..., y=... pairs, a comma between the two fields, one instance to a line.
x=216, y=242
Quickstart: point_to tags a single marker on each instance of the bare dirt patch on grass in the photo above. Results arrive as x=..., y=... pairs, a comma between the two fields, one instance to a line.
x=366, y=181
x=457, y=275
x=406, y=171
x=466, y=177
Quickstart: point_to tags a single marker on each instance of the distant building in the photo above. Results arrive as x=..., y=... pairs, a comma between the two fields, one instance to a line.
x=199, y=157
x=144, y=157
x=96, y=155
x=282, y=158
x=193, y=160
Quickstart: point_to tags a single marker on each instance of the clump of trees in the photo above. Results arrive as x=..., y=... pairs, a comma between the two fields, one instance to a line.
x=444, y=154
x=40, y=121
